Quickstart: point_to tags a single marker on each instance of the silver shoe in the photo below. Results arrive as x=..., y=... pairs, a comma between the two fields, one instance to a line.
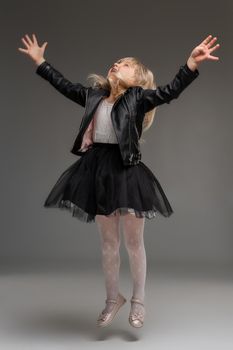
x=105, y=318
x=136, y=319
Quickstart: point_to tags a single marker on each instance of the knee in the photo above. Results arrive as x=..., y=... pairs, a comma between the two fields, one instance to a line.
x=133, y=243
x=111, y=243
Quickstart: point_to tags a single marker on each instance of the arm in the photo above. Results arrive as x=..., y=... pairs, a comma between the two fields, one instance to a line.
x=151, y=98
x=74, y=91
x=187, y=73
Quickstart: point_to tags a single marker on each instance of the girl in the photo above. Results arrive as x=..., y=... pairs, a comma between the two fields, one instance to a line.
x=109, y=181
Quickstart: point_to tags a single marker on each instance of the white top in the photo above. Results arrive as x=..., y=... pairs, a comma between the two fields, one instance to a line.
x=103, y=129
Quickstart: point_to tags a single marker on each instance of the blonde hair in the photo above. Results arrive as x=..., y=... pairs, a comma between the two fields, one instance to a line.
x=144, y=78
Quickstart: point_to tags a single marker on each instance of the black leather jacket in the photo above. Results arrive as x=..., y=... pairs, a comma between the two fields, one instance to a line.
x=128, y=110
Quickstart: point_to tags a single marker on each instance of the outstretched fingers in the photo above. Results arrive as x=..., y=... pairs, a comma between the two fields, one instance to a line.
x=214, y=48
x=34, y=39
x=25, y=43
x=211, y=42
x=206, y=40
x=29, y=40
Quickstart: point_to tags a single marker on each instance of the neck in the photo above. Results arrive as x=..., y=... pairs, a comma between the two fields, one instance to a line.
x=115, y=91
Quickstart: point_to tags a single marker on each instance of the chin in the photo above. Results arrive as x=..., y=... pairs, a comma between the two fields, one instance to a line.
x=112, y=74
x=113, y=78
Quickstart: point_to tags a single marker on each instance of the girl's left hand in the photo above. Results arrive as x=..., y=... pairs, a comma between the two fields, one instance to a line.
x=203, y=52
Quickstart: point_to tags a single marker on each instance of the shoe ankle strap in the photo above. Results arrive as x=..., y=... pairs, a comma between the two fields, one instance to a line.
x=135, y=300
x=111, y=301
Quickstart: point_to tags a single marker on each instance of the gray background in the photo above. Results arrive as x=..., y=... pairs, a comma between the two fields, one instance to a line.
x=188, y=147
x=51, y=280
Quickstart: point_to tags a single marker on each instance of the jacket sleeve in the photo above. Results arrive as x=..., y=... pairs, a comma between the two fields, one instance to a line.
x=74, y=91
x=150, y=98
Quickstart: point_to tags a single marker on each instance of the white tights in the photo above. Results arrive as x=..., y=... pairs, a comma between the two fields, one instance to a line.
x=133, y=230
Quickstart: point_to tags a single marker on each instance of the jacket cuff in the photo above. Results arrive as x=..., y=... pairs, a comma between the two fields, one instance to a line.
x=43, y=68
x=191, y=72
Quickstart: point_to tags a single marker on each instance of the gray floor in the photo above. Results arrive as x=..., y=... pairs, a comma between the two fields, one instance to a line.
x=57, y=309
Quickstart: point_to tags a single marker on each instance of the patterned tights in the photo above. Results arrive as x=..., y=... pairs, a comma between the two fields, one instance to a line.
x=133, y=230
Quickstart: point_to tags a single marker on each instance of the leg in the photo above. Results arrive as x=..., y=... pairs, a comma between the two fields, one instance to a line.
x=108, y=227
x=133, y=229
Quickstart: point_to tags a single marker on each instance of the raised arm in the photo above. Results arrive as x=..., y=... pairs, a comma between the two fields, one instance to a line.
x=151, y=98
x=74, y=91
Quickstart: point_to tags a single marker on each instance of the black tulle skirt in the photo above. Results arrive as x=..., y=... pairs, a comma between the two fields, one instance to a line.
x=98, y=183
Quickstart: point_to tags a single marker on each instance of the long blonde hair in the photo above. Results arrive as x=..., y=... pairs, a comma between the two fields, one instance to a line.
x=144, y=78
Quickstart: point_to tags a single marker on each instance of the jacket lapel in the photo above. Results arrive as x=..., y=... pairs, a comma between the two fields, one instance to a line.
x=94, y=100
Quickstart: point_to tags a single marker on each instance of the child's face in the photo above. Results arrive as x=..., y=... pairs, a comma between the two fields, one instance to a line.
x=123, y=69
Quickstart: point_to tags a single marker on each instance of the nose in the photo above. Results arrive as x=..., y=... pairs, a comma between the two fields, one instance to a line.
x=115, y=65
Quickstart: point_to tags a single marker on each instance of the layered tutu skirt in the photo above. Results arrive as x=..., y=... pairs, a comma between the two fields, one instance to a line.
x=98, y=183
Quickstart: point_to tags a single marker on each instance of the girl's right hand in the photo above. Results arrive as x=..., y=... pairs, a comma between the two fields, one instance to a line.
x=33, y=50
